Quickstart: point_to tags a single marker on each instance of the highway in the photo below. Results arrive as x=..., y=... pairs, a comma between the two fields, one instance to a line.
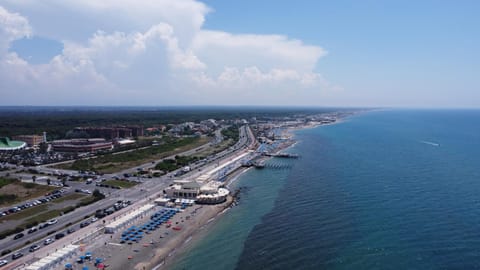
x=150, y=188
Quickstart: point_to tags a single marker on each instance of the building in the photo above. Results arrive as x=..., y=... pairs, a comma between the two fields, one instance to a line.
x=209, y=193
x=110, y=133
x=31, y=140
x=81, y=145
x=7, y=145
x=183, y=189
x=219, y=196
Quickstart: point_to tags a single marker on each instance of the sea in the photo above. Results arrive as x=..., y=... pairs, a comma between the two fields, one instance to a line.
x=391, y=189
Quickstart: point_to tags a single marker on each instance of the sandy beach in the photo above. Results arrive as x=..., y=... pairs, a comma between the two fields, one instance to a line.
x=155, y=249
x=160, y=248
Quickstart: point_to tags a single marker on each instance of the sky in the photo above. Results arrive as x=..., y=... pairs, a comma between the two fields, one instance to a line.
x=216, y=52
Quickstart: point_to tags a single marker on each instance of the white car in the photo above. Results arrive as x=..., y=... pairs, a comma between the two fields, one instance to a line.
x=48, y=241
x=3, y=262
x=52, y=221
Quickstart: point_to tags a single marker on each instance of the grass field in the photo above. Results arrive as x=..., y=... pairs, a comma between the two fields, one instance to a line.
x=42, y=217
x=111, y=163
x=70, y=197
x=119, y=183
x=32, y=211
x=13, y=191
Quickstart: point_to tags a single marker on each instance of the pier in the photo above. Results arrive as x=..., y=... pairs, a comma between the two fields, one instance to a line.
x=282, y=155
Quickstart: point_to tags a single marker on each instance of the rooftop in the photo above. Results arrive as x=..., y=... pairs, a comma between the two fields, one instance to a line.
x=7, y=144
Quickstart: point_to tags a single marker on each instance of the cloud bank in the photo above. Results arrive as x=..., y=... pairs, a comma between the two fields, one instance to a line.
x=153, y=52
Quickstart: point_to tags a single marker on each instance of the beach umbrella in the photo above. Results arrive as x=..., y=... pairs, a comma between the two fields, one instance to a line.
x=85, y=268
x=68, y=266
x=100, y=266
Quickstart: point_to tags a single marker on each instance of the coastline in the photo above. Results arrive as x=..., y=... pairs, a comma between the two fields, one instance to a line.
x=200, y=225
x=204, y=229
x=201, y=231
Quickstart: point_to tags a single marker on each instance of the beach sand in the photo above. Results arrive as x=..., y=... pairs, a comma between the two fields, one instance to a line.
x=156, y=248
x=159, y=249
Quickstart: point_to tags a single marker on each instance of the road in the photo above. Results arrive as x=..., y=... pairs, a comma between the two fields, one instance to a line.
x=150, y=188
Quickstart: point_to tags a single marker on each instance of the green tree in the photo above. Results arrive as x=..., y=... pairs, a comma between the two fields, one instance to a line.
x=97, y=194
x=43, y=147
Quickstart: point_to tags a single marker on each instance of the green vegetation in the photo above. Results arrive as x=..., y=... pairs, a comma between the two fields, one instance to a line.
x=119, y=183
x=37, y=214
x=6, y=233
x=56, y=121
x=42, y=217
x=70, y=197
x=111, y=163
x=13, y=191
x=231, y=133
x=26, y=212
x=28, y=185
x=6, y=181
x=168, y=165
x=7, y=198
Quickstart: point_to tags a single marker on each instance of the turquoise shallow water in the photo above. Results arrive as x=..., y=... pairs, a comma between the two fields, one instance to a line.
x=383, y=190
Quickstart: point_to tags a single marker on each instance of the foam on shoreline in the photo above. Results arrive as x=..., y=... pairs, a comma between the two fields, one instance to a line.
x=176, y=247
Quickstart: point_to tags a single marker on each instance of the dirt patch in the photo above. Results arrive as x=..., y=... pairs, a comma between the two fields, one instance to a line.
x=22, y=192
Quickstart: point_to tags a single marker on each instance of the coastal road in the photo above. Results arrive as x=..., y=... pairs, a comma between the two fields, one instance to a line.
x=150, y=188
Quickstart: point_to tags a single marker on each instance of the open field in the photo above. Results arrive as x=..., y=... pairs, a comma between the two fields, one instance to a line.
x=119, y=183
x=70, y=197
x=13, y=191
x=111, y=163
x=26, y=213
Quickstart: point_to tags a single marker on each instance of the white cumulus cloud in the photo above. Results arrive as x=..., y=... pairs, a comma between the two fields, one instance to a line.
x=153, y=52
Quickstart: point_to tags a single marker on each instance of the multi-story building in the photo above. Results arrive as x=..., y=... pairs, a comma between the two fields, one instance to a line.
x=82, y=145
x=110, y=133
x=31, y=140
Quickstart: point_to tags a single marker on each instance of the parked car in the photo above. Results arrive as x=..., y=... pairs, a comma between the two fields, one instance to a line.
x=48, y=241
x=52, y=221
x=70, y=230
x=34, y=248
x=32, y=230
x=84, y=224
x=16, y=255
x=18, y=236
x=3, y=262
x=59, y=235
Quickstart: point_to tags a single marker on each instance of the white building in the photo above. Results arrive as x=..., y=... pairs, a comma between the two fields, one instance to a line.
x=209, y=193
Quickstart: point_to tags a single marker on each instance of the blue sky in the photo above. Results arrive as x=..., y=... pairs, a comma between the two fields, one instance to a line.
x=321, y=53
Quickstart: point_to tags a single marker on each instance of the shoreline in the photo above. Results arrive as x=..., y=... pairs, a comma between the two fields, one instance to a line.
x=194, y=228
x=204, y=229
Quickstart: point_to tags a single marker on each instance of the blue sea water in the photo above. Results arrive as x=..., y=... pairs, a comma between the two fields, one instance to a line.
x=382, y=190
